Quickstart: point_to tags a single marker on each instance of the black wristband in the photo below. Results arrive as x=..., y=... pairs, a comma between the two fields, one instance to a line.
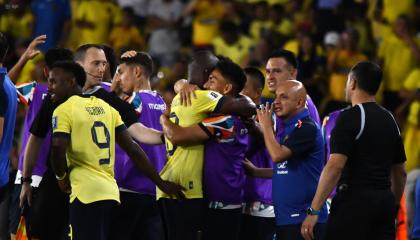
x=25, y=179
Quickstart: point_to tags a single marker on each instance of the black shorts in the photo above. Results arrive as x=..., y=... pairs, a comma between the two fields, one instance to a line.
x=14, y=209
x=362, y=214
x=137, y=217
x=222, y=224
x=261, y=228
x=90, y=221
x=48, y=215
x=183, y=219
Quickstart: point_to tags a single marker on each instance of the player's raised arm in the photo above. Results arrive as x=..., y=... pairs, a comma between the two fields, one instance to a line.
x=142, y=162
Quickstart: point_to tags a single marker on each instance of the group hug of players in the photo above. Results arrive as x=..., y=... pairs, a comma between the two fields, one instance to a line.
x=112, y=161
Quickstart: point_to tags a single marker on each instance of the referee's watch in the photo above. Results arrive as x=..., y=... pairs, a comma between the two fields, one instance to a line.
x=312, y=212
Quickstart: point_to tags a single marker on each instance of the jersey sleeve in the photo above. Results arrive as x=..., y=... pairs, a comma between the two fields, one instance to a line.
x=136, y=102
x=42, y=122
x=207, y=101
x=118, y=122
x=301, y=140
x=125, y=110
x=61, y=120
x=26, y=92
x=219, y=127
x=345, y=131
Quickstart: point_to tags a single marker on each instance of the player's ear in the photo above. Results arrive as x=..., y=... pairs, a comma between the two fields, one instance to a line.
x=46, y=72
x=227, y=89
x=138, y=71
x=73, y=82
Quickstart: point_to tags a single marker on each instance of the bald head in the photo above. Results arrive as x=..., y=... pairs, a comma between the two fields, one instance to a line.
x=200, y=67
x=290, y=98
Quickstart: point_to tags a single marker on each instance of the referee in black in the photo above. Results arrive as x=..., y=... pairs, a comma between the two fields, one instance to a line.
x=367, y=161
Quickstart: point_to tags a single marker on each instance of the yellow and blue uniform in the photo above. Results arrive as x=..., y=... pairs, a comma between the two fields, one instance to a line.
x=91, y=125
x=185, y=163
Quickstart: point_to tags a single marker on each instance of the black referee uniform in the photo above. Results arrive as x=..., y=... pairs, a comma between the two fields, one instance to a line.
x=365, y=207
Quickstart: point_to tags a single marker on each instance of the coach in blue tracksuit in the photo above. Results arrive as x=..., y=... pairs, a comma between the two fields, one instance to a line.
x=298, y=153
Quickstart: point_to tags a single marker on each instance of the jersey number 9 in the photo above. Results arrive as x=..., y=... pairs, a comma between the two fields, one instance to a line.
x=97, y=126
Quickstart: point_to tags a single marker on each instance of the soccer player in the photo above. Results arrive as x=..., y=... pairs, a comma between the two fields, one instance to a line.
x=282, y=66
x=8, y=107
x=93, y=59
x=138, y=216
x=184, y=219
x=227, y=142
x=85, y=169
x=258, y=220
x=35, y=165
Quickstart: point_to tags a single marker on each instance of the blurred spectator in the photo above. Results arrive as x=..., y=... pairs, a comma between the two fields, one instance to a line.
x=17, y=20
x=139, y=6
x=51, y=18
x=331, y=43
x=340, y=63
x=328, y=17
x=398, y=52
x=163, y=19
x=279, y=21
x=95, y=19
x=260, y=25
x=391, y=9
x=232, y=43
x=207, y=15
x=126, y=35
x=411, y=96
x=310, y=65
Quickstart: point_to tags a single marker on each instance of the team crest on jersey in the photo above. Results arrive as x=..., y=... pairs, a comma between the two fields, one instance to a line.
x=282, y=165
x=54, y=122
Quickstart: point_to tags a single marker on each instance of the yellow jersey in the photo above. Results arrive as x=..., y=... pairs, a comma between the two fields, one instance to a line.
x=185, y=163
x=206, y=21
x=399, y=61
x=412, y=83
x=102, y=15
x=238, y=51
x=91, y=125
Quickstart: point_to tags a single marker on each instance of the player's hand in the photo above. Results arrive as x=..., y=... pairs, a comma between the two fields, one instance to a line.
x=115, y=84
x=308, y=225
x=264, y=115
x=172, y=189
x=185, y=91
x=249, y=167
x=129, y=54
x=32, y=50
x=25, y=195
x=64, y=185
